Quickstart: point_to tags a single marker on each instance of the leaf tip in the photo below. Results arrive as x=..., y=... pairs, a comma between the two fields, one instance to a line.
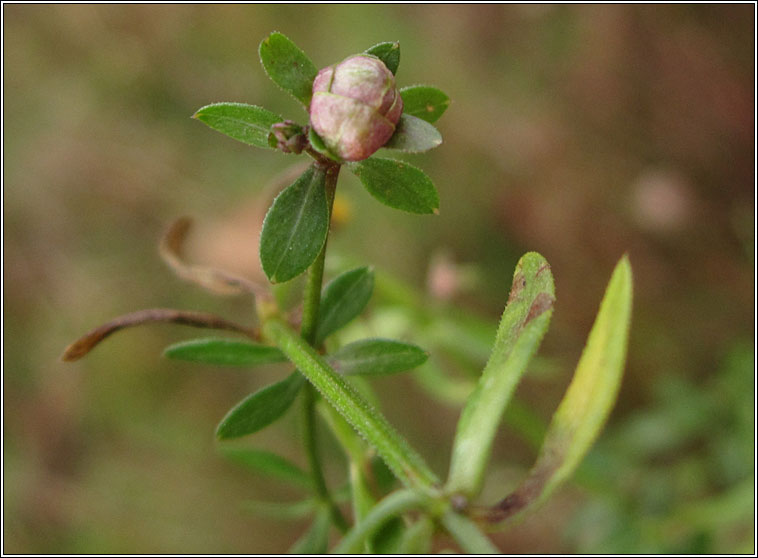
x=221, y=432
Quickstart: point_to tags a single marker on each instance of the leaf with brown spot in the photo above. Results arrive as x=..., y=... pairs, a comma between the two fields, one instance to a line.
x=585, y=406
x=524, y=323
x=91, y=339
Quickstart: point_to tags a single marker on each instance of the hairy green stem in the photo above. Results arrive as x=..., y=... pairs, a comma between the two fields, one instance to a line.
x=393, y=505
x=406, y=464
x=311, y=303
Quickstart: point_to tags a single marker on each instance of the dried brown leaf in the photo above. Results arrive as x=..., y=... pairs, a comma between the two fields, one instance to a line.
x=215, y=280
x=91, y=339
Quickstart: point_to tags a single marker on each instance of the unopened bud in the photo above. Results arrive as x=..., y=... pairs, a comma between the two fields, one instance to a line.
x=355, y=106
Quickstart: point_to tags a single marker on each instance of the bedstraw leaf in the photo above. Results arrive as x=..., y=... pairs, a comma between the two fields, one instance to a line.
x=414, y=135
x=524, y=323
x=397, y=184
x=425, y=102
x=288, y=67
x=389, y=53
x=267, y=463
x=295, y=227
x=226, y=352
x=587, y=402
x=261, y=408
x=376, y=356
x=249, y=124
x=344, y=297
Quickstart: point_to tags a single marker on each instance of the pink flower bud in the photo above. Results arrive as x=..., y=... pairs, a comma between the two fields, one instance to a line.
x=355, y=106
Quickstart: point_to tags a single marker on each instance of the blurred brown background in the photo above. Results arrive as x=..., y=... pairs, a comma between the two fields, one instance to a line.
x=581, y=132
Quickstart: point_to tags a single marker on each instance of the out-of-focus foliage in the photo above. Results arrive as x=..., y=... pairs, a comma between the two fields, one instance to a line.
x=581, y=132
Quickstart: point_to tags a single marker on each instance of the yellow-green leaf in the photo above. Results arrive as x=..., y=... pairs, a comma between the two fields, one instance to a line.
x=587, y=402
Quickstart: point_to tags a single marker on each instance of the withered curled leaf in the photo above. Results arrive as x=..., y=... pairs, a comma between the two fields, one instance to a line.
x=91, y=339
x=214, y=280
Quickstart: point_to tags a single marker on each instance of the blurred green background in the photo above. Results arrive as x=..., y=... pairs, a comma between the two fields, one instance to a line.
x=581, y=132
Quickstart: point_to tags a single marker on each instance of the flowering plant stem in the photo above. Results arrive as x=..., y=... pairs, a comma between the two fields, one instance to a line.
x=354, y=109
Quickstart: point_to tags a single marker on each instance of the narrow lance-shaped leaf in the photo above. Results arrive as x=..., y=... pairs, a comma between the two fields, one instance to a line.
x=288, y=67
x=344, y=297
x=587, y=402
x=397, y=184
x=425, y=102
x=524, y=323
x=376, y=356
x=295, y=227
x=267, y=463
x=414, y=135
x=227, y=352
x=249, y=124
x=261, y=408
x=389, y=53
x=316, y=539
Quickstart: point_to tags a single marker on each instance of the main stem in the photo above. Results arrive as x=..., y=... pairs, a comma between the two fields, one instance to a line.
x=311, y=303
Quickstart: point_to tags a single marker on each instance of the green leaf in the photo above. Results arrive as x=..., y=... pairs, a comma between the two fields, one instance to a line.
x=376, y=356
x=389, y=53
x=344, y=297
x=524, y=323
x=227, y=352
x=422, y=101
x=261, y=408
x=587, y=402
x=397, y=184
x=267, y=463
x=246, y=123
x=288, y=67
x=316, y=538
x=414, y=135
x=295, y=227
